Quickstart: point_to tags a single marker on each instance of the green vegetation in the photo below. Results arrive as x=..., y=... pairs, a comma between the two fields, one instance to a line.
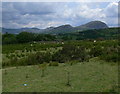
x=26, y=37
x=69, y=51
x=95, y=76
x=98, y=34
x=53, y=64
x=85, y=61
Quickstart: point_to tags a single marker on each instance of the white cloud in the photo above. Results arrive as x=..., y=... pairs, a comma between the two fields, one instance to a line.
x=43, y=15
x=112, y=10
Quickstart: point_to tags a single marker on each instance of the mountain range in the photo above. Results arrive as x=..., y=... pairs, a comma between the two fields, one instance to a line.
x=60, y=29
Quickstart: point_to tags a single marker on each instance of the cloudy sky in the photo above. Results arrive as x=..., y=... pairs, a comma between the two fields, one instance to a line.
x=45, y=14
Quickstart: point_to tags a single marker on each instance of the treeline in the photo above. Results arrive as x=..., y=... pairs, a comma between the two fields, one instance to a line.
x=98, y=34
x=25, y=37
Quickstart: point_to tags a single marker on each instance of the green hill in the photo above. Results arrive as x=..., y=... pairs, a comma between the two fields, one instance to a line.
x=107, y=33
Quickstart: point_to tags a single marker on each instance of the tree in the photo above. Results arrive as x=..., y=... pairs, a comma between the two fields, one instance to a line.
x=25, y=37
x=43, y=67
x=45, y=37
x=9, y=39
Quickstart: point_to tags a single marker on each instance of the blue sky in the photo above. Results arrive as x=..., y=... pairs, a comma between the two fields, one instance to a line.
x=45, y=14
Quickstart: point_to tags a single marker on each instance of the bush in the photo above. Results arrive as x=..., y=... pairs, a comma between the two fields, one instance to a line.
x=53, y=64
x=70, y=52
x=25, y=37
x=96, y=51
x=110, y=57
x=9, y=39
x=111, y=54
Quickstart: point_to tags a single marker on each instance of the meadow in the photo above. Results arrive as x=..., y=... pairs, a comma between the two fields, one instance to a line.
x=95, y=76
x=69, y=66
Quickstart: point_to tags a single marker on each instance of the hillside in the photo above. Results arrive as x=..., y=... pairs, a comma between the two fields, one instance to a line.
x=107, y=33
x=93, y=25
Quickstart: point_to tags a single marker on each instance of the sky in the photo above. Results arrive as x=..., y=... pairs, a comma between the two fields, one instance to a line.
x=52, y=14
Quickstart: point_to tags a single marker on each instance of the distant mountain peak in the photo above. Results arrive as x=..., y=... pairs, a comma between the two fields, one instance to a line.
x=94, y=25
x=66, y=25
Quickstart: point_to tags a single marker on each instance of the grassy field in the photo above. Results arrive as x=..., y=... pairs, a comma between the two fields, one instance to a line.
x=93, y=76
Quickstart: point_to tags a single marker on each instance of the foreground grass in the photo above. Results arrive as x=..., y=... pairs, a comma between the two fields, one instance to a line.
x=93, y=76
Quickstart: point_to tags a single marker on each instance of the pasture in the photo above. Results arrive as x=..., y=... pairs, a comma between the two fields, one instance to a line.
x=95, y=76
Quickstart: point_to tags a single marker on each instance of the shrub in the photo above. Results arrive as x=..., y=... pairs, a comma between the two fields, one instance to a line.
x=111, y=54
x=96, y=51
x=5, y=63
x=13, y=61
x=70, y=52
x=22, y=62
x=43, y=67
x=111, y=57
x=53, y=64
x=25, y=37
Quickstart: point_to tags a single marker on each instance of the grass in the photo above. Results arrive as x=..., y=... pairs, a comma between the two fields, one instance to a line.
x=93, y=76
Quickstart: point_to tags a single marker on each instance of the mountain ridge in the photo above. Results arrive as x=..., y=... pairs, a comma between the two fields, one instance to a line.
x=67, y=28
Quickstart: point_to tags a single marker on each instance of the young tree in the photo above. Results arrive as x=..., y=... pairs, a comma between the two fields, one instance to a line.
x=43, y=67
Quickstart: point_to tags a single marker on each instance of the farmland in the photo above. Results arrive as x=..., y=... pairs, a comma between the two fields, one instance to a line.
x=69, y=66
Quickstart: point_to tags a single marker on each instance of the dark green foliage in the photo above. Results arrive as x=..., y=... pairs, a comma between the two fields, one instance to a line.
x=9, y=39
x=43, y=57
x=70, y=52
x=37, y=58
x=27, y=46
x=96, y=51
x=44, y=37
x=53, y=64
x=14, y=60
x=25, y=37
x=111, y=54
x=22, y=62
x=5, y=63
x=98, y=34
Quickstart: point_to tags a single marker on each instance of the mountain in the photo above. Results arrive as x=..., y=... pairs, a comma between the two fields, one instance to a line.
x=60, y=29
x=16, y=31
x=68, y=28
x=93, y=25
